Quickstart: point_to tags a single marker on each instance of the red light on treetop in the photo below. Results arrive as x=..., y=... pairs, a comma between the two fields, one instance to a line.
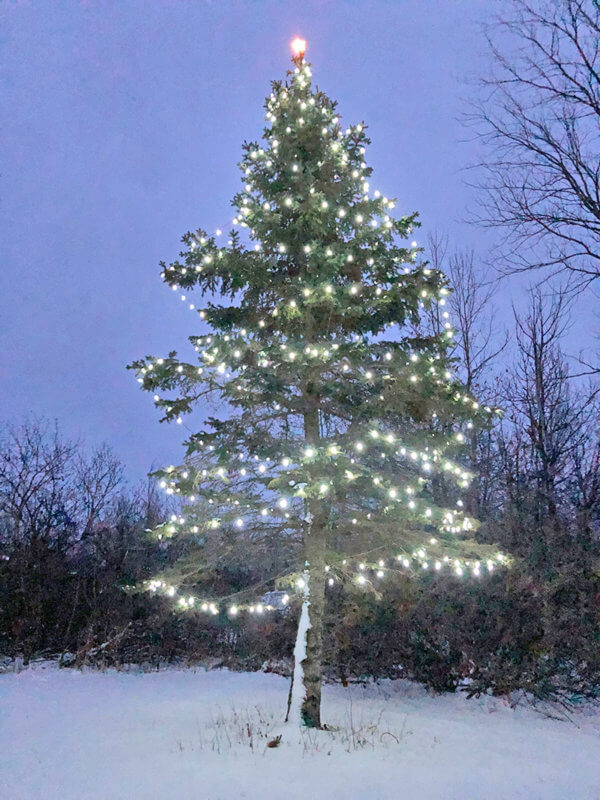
x=298, y=46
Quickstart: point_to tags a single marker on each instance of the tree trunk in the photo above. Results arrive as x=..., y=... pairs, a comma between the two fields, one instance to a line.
x=296, y=693
x=304, y=706
x=305, y=693
x=312, y=668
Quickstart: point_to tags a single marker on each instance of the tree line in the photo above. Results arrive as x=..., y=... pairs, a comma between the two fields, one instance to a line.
x=74, y=536
x=74, y=541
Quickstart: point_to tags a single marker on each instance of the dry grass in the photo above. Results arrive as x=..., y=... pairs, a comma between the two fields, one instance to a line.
x=258, y=730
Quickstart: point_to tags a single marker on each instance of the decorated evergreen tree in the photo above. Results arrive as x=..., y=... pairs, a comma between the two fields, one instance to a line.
x=339, y=442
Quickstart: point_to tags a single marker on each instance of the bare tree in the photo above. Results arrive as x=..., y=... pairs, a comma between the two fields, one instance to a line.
x=539, y=117
x=98, y=477
x=70, y=535
x=585, y=479
x=35, y=497
x=552, y=424
x=49, y=488
x=478, y=343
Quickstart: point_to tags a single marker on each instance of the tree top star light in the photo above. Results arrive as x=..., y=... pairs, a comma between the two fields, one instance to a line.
x=298, y=46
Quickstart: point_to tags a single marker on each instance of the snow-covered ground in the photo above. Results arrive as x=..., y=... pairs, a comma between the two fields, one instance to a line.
x=195, y=735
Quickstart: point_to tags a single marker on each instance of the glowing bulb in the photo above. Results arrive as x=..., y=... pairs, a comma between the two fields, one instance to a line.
x=298, y=46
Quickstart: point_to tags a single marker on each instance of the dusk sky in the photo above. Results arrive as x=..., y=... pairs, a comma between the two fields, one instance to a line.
x=122, y=127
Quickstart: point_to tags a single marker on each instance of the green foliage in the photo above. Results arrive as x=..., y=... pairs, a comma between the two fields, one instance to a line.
x=332, y=406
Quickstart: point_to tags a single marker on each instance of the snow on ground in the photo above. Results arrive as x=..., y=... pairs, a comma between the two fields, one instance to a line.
x=195, y=735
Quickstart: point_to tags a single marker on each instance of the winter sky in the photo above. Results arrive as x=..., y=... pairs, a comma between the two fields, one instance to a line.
x=122, y=126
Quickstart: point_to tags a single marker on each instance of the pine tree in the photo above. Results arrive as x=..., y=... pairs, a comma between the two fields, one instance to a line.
x=340, y=441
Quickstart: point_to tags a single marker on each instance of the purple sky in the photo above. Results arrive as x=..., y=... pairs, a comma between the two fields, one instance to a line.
x=122, y=129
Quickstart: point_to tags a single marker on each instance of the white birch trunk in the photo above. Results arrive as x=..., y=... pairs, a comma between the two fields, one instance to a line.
x=298, y=692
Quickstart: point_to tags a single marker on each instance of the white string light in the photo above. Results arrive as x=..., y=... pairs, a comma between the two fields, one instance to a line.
x=228, y=358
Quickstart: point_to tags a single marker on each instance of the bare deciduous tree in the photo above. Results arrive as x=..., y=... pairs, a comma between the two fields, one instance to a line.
x=50, y=490
x=98, y=477
x=553, y=434
x=539, y=117
x=34, y=499
x=478, y=343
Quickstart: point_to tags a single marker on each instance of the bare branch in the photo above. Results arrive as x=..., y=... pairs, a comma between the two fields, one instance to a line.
x=538, y=123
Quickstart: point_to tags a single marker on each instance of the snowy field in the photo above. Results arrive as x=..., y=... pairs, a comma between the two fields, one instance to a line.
x=195, y=735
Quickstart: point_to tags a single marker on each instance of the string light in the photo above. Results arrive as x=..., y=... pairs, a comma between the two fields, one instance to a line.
x=237, y=360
